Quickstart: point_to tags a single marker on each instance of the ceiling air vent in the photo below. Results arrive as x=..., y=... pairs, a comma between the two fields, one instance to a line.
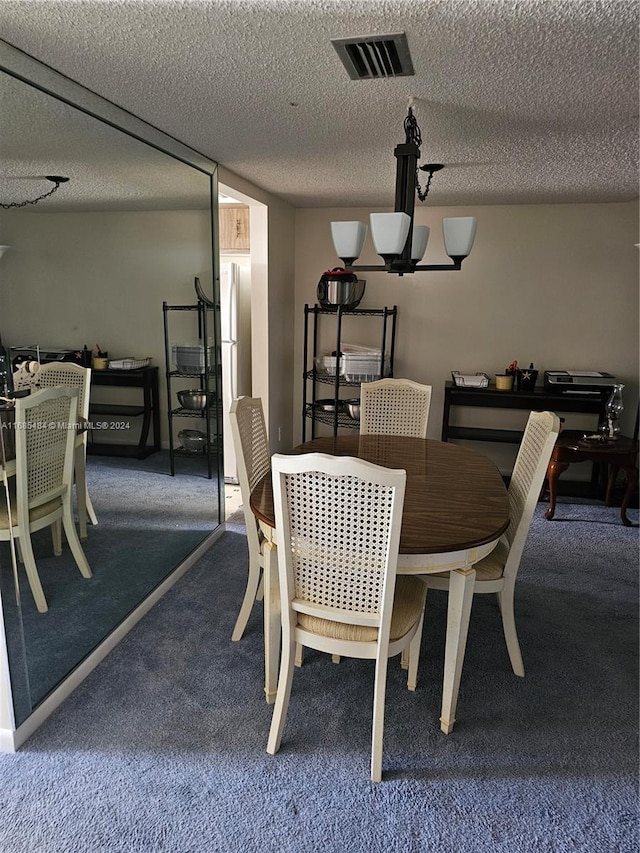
x=368, y=57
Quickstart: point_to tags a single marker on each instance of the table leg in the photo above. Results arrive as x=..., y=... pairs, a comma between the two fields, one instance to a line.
x=81, y=489
x=553, y=472
x=613, y=474
x=146, y=419
x=461, y=585
x=271, y=605
x=632, y=482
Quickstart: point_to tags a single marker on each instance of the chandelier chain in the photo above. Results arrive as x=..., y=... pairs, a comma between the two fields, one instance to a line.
x=422, y=194
x=34, y=200
x=413, y=135
x=411, y=129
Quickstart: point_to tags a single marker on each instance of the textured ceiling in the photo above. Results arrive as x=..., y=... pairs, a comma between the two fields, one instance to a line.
x=107, y=169
x=524, y=101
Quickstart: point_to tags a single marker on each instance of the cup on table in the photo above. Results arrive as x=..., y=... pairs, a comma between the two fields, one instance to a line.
x=504, y=381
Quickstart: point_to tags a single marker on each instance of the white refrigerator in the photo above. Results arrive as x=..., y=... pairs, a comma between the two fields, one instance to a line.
x=235, y=338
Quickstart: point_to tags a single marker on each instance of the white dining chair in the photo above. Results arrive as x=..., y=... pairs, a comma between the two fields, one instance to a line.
x=39, y=495
x=394, y=407
x=498, y=571
x=251, y=445
x=52, y=375
x=338, y=521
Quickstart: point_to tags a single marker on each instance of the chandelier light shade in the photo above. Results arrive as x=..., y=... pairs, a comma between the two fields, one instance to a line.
x=400, y=243
x=419, y=242
x=459, y=233
x=389, y=232
x=348, y=239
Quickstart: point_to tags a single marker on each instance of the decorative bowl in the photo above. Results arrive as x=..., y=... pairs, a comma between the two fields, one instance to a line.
x=195, y=399
x=193, y=440
x=329, y=405
x=353, y=409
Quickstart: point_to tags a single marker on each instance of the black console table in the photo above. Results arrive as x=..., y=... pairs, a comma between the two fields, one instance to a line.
x=537, y=400
x=145, y=378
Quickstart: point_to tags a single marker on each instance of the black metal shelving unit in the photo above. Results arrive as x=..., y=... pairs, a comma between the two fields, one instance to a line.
x=211, y=414
x=312, y=378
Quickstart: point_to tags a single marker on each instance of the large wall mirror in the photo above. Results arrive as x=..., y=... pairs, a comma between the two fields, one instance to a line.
x=92, y=265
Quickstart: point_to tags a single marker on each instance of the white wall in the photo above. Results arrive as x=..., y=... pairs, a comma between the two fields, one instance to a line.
x=101, y=278
x=553, y=284
x=78, y=278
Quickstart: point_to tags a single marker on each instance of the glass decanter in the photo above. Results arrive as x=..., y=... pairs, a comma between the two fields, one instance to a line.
x=610, y=428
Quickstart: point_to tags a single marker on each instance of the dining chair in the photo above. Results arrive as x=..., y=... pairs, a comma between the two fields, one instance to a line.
x=52, y=375
x=39, y=495
x=498, y=571
x=339, y=524
x=394, y=407
x=251, y=445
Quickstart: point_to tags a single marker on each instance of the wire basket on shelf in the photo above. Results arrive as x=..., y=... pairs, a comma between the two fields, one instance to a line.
x=129, y=363
x=470, y=380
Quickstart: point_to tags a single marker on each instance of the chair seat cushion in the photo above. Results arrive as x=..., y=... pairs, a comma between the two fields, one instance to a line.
x=489, y=569
x=407, y=610
x=34, y=514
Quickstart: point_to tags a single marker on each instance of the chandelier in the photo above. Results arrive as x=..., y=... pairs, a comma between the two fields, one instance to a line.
x=56, y=180
x=399, y=242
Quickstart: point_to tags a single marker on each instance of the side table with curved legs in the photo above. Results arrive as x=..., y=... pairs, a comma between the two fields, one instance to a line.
x=619, y=454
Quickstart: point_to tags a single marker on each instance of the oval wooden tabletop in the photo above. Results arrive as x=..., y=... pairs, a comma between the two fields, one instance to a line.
x=455, y=497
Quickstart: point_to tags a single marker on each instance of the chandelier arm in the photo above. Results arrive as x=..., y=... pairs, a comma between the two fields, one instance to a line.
x=400, y=268
x=56, y=181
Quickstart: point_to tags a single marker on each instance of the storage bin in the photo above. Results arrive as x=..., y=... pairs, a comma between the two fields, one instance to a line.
x=325, y=364
x=189, y=358
x=363, y=366
x=355, y=361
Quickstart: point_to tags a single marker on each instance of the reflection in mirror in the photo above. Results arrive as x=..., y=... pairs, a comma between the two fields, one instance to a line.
x=91, y=266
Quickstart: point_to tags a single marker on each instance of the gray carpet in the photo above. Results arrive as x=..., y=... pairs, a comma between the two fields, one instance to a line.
x=148, y=522
x=163, y=747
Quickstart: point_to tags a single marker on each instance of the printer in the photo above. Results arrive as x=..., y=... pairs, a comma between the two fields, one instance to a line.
x=35, y=352
x=577, y=381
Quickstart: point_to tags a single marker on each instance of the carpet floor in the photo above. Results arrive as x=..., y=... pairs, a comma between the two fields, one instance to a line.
x=162, y=748
x=148, y=522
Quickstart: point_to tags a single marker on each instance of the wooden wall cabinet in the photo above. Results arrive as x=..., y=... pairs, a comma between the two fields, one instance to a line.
x=234, y=228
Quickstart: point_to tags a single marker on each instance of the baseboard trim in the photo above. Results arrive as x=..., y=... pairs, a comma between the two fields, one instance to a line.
x=7, y=740
x=10, y=741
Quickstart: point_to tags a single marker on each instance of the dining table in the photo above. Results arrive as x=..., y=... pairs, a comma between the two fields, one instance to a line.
x=455, y=511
